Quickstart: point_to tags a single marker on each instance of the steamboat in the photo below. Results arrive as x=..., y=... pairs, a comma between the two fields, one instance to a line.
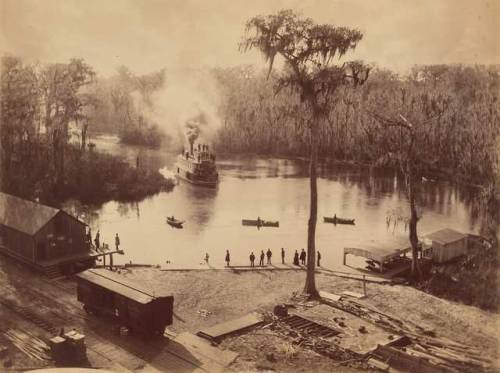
x=197, y=166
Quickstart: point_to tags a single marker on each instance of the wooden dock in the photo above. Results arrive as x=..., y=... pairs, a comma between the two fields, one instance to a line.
x=354, y=274
x=377, y=254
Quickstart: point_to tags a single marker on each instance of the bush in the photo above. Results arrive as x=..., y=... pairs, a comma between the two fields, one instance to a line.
x=93, y=177
x=150, y=136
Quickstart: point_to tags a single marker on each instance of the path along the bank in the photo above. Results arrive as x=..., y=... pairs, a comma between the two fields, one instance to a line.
x=382, y=278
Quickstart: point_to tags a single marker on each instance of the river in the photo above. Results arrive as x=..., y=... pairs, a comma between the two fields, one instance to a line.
x=274, y=189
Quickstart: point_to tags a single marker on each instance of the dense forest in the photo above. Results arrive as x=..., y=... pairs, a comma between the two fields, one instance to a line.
x=124, y=106
x=454, y=107
x=42, y=106
x=455, y=110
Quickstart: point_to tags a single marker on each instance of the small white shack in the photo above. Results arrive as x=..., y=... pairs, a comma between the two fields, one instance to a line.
x=445, y=245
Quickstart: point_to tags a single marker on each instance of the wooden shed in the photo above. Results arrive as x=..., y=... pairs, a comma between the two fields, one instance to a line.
x=42, y=236
x=445, y=245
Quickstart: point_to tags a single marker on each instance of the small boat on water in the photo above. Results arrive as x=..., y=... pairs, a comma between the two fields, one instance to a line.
x=260, y=223
x=174, y=222
x=337, y=220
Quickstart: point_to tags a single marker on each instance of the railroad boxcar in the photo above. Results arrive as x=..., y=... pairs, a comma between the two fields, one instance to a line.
x=109, y=294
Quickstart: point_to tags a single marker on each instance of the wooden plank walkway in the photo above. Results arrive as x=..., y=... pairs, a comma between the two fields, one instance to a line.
x=219, y=267
x=349, y=273
x=218, y=331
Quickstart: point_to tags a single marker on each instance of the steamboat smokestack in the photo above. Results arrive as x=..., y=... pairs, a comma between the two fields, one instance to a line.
x=192, y=133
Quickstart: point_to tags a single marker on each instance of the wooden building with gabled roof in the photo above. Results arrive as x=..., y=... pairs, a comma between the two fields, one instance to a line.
x=445, y=245
x=42, y=236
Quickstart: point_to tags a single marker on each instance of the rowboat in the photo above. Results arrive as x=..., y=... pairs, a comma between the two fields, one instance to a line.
x=174, y=222
x=260, y=223
x=336, y=220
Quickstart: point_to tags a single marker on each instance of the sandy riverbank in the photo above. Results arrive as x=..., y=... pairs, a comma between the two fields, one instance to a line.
x=205, y=298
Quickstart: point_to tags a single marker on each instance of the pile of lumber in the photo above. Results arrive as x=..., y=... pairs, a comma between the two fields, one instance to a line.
x=320, y=345
x=439, y=351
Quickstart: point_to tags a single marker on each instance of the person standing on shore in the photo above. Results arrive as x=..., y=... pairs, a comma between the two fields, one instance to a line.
x=262, y=255
x=252, y=260
x=228, y=258
x=296, y=258
x=303, y=257
x=117, y=242
x=89, y=237
x=319, y=258
x=282, y=256
x=269, y=255
x=97, y=240
x=206, y=258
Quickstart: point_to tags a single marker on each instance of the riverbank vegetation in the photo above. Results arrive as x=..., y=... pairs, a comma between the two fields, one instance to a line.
x=41, y=157
x=462, y=101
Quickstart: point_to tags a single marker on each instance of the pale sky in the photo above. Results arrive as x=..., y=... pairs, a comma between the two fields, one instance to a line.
x=147, y=35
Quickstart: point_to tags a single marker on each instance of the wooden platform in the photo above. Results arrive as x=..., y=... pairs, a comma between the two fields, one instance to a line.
x=381, y=254
x=217, y=332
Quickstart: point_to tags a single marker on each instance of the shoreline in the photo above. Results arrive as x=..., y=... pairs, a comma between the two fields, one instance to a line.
x=354, y=275
x=436, y=175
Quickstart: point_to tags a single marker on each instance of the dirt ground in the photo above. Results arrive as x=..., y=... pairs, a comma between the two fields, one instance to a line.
x=205, y=298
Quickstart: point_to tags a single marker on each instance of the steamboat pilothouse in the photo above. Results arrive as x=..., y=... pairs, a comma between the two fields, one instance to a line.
x=197, y=166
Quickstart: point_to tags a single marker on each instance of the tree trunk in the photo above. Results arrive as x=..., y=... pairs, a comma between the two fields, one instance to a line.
x=55, y=153
x=85, y=127
x=415, y=270
x=310, y=287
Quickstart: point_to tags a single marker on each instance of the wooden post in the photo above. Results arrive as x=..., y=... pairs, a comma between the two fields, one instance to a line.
x=104, y=261
x=344, y=257
x=364, y=285
x=111, y=261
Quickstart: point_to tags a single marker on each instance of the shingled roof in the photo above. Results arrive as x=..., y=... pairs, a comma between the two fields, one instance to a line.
x=23, y=215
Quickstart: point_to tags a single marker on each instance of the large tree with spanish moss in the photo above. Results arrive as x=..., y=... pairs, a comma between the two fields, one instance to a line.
x=311, y=53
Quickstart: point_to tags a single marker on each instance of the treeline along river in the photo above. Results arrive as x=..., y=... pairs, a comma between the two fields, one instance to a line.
x=274, y=189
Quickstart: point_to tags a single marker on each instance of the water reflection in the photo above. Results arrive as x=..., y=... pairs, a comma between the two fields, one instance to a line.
x=274, y=189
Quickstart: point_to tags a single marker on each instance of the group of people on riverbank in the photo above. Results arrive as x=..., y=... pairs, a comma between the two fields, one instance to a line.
x=97, y=240
x=298, y=259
